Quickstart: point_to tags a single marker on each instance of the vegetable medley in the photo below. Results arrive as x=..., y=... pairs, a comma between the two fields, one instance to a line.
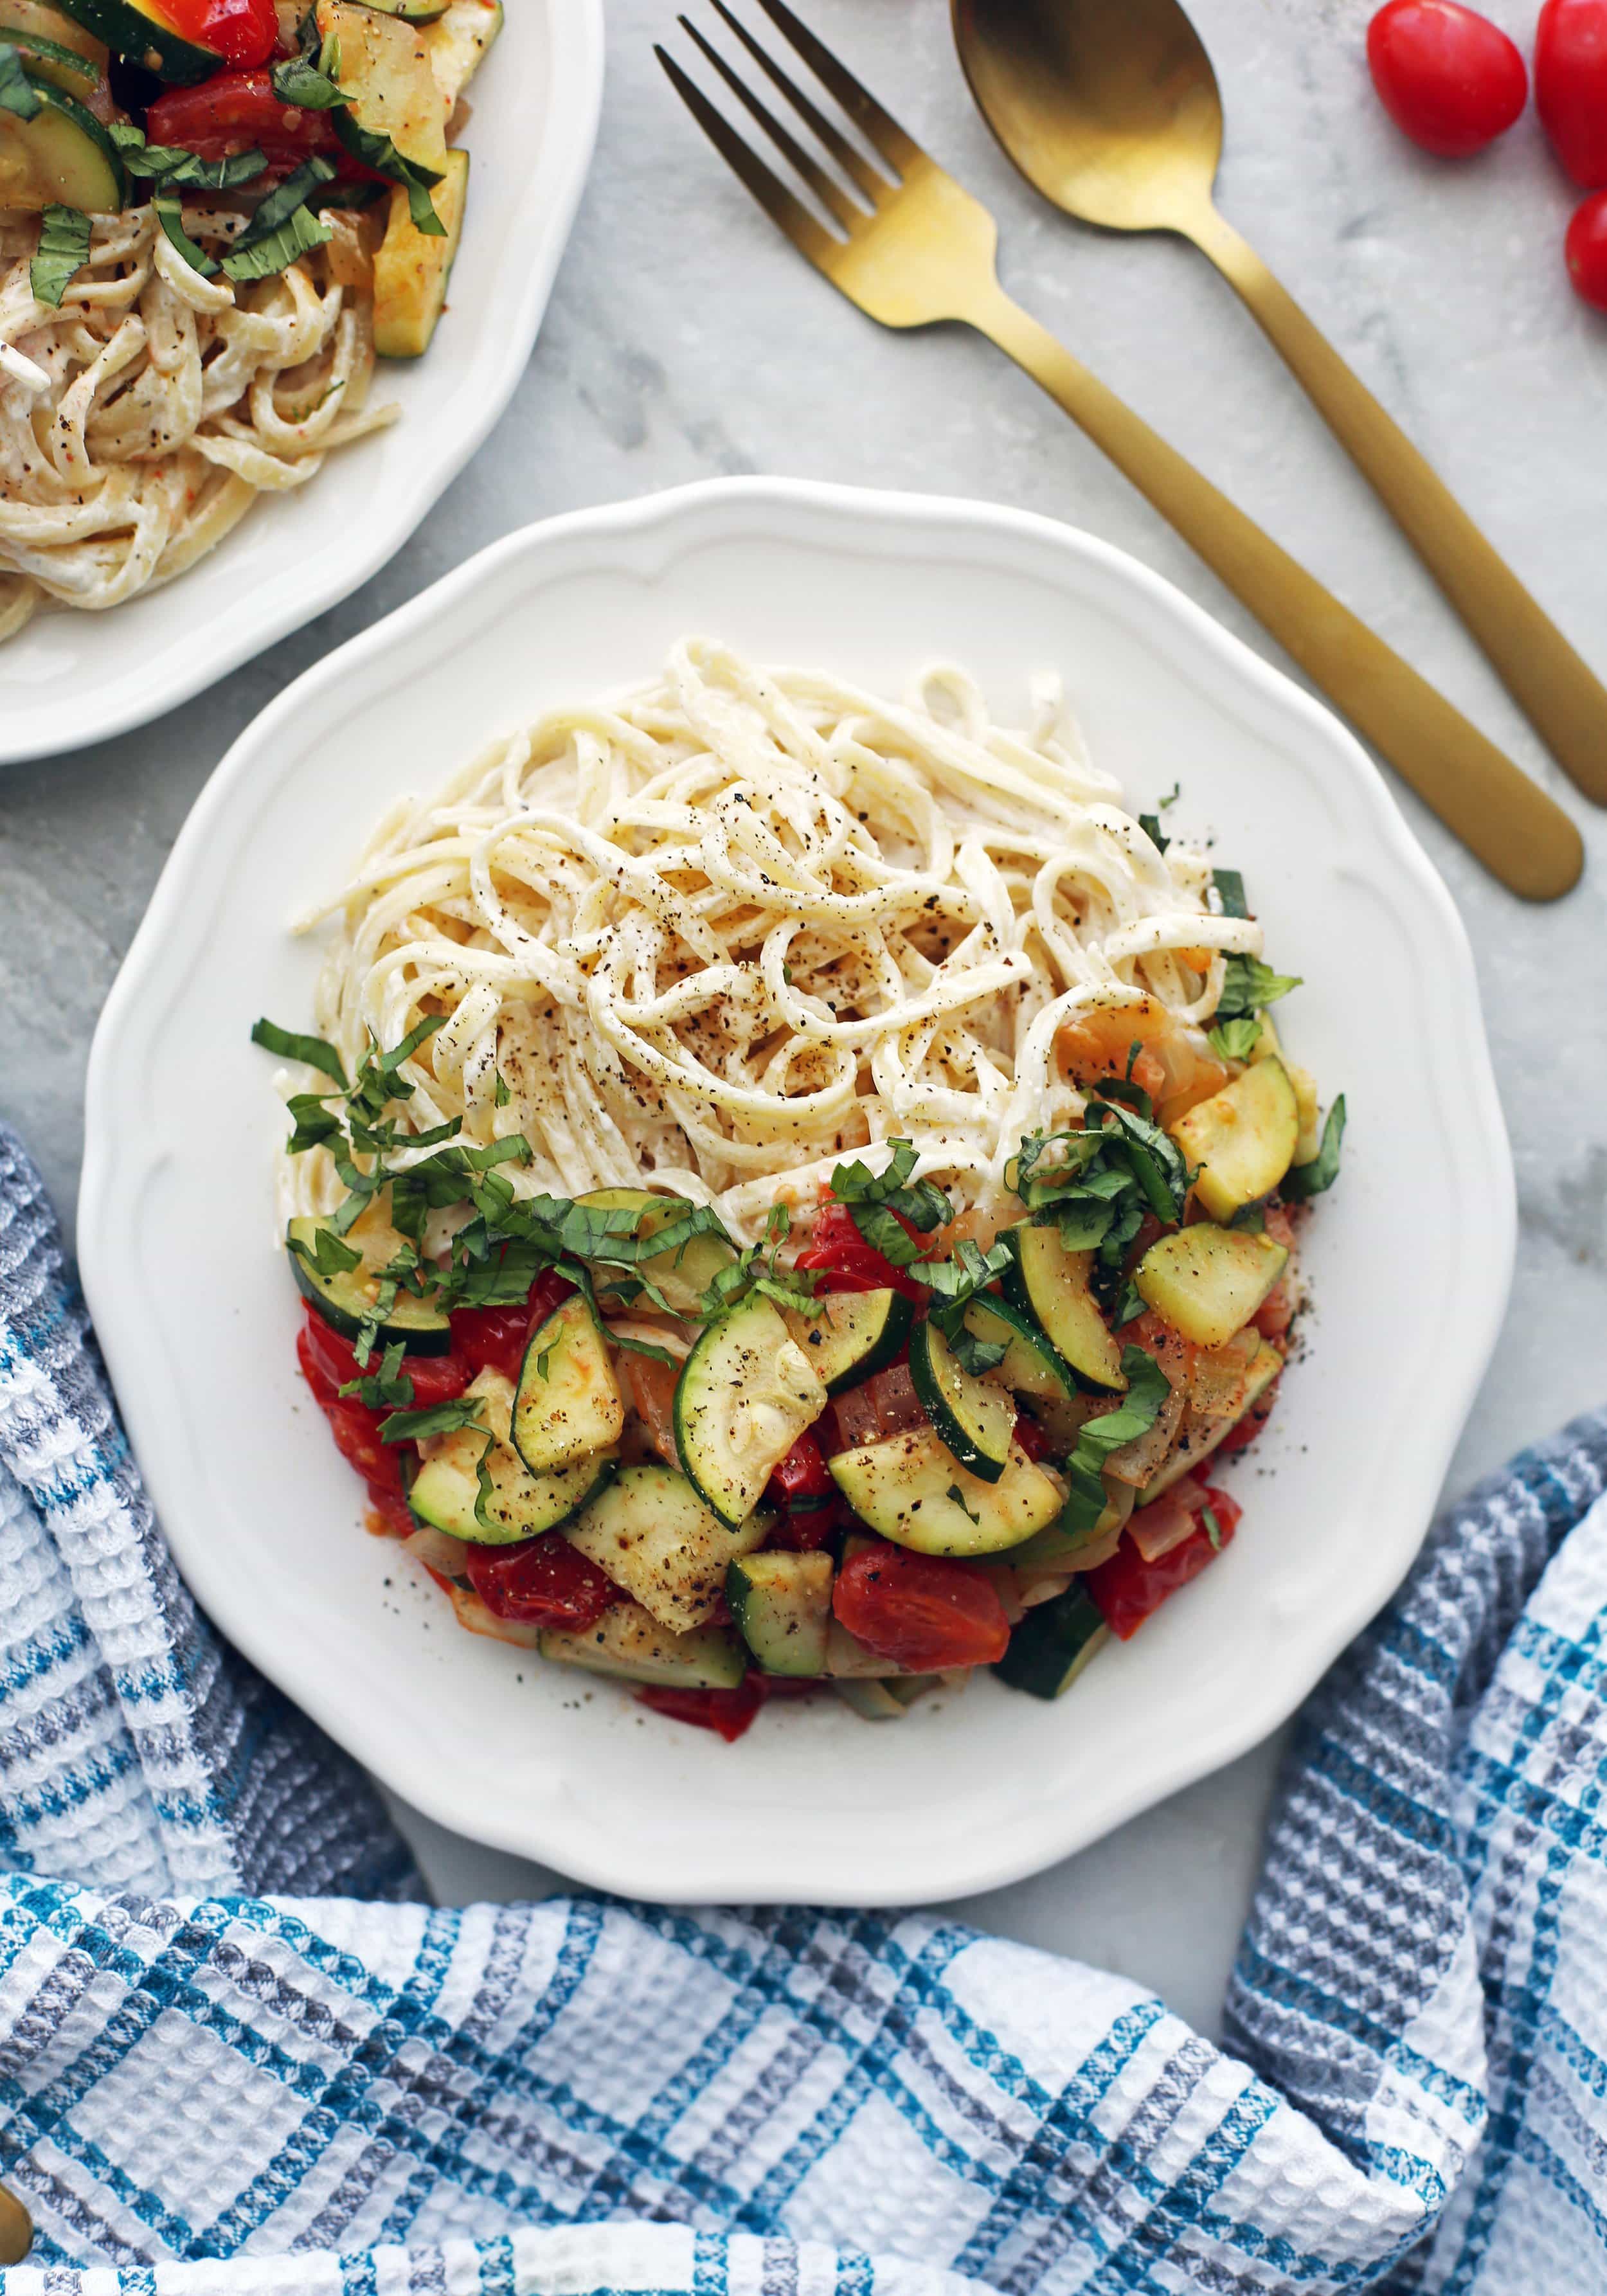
x=866, y=1454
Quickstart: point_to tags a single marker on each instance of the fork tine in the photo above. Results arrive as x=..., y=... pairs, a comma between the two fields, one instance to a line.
x=898, y=149
x=852, y=162
x=829, y=193
x=772, y=194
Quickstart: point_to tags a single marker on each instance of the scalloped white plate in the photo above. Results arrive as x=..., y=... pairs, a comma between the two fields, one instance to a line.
x=72, y=678
x=1410, y=1256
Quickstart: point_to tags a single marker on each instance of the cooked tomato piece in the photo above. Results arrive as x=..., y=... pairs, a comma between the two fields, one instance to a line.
x=329, y=1364
x=543, y=1582
x=1127, y=1590
x=356, y=1433
x=237, y=110
x=920, y=1611
x=1031, y=1437
x=390, y=1512
x=243, y=32
x=802, y=1474
x=494, y=1338
x=727, y=1712
x=845, y=1262
x=805, y=1530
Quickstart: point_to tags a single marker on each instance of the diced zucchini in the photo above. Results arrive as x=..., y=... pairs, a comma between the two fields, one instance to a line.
x=910, y=1489
x=1053, y=1644
x=141, y=31
x=653, y=1534
x=1199, y=1438
x=446, y=1492
x=628, y=1643
x=459, y=44
x=568, y=1403
x=62, y=156
x=745, y=1395
x=410, y=268
x=1208, y=1282
x=781, y=1605
x=975, y=1417
x=51, y=45
x=682, y=1275
x=343, y=1299
x=856, y=1333
x=411, y=11
x=1051, y=1284
x=1242, y=1138
x=1032, y=1363
x=385, y=69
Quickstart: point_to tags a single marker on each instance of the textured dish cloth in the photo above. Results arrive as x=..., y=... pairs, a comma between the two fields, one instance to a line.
x=231, y=2061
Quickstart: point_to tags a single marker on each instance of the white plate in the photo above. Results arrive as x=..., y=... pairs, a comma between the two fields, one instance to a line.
x=70, y=678
x=1410, y=1256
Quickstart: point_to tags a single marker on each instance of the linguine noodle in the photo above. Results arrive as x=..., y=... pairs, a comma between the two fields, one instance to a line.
x=172, y=402
x=744, y=921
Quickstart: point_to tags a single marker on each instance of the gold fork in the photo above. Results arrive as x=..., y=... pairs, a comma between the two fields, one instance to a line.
x=917, y=249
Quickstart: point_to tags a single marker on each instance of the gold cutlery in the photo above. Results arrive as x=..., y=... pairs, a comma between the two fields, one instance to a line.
x=913, y=248
x=1111, y=110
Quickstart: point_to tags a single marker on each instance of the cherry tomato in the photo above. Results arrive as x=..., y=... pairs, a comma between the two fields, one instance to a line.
x=330, y=1364
x=1127, y=1590
x=356, y=1433
x=494, y=1338
x=805, y=1530
x=242, y=32
x=802, y=1474
x=920, y=1611
x=1447, y=76
x=728, y=1712
x=1570, y=88
x=1031, y=1437
x=234, y=110
x=545, y=1582
x=846, y=1262
x=393, y=1512
x=1587, y=250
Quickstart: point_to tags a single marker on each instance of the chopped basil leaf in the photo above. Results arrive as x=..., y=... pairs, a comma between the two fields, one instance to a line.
x=977, y=1357
x=881, y=1202
x=327, y=1256
x=1235, y=1040
x=170, y=214
x=1150, y=823
x=1304, y=1180
x=259, y=258
x=390, y=1388
x=281, y=202
x=435, y=1419
x=1167, y=803
x=313, y=1050
x=18, y=93
x=1130, y=1303
x=175, y=169
x=1211, y=1527
x=64, y=249
x=501, y=1093
x=955, y=1493
x=1248, y=985
x=1148, y=1388
x=379, y=153
x=1230, y=891
x=297, y=80
x=1249, y=1219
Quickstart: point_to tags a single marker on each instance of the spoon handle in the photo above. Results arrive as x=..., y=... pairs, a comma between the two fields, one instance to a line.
x=1520, y=836
x=1565, y=702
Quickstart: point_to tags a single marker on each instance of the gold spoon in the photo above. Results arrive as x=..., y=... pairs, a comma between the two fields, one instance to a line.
x=1110, y=108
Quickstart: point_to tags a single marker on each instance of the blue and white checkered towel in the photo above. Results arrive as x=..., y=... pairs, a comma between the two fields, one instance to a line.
x=233, y=2059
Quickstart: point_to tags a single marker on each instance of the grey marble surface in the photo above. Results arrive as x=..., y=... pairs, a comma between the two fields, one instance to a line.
x=684, y=339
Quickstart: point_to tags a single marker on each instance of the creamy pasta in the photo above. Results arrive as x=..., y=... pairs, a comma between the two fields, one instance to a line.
x=716, y=933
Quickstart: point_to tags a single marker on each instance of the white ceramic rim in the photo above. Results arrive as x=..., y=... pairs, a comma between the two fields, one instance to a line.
x=97, y=709
x=661, y=525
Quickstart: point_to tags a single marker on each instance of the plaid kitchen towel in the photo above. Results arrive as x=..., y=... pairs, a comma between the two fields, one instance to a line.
x=234, y=2059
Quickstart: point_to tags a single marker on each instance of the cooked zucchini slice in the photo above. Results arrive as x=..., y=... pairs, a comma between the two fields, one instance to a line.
x=1051, y=1285
x=745, y=1395
x=62, y=156
x=910, y=1489
x=139, y=31
x=446, y=1493
x=682, y=1275
x=1056, y=1549
x=975, y=1418
x=1053, y=1644
x=653, y=1534
x=411, y=270
x=459, y=44
x=1199, y=1440
x=344, y=1298
x=1033, y=1365
x=569, y=1402
x=411, y=11
x=781, y=1605
x=51, y=45
x=1242, y=1138
x=856, y=1333
x=385, y=70
x=1208, y=1282
x=629, y=1643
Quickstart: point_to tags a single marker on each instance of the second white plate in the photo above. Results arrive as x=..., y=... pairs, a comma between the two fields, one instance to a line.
x=1410, y=1257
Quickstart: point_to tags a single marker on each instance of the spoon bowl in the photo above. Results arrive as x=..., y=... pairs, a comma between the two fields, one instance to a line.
x=1111, y=108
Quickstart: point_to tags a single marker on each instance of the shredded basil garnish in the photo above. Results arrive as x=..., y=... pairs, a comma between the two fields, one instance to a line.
x=1248, y=985
x=1302, y=1181
x=1148, y=1388
x=1235, y=1040
x=64, y=249
x=256, y=258
x=435, y=1419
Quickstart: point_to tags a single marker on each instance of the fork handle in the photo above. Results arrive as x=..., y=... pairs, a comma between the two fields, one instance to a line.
x=1516, y=830
x=1565, y=702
